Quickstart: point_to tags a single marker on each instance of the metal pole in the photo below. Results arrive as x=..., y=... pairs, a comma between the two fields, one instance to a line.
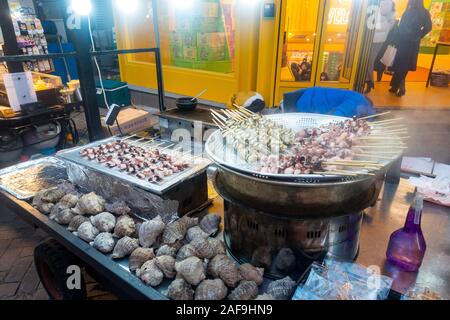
x=82, y=45
x=10, y=46
x=158, y=62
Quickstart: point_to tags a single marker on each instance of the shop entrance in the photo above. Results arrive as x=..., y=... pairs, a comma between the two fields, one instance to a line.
x=318, y=44
x=418, y=95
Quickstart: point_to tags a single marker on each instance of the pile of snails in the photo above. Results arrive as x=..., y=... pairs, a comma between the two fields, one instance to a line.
x=183, y=250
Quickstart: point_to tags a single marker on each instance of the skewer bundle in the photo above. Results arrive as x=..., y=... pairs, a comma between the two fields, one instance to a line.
x=255, y=139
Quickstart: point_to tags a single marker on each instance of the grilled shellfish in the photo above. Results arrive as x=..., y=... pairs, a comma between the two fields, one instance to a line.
x=150, y=273
x=125, y=227
x=149, y=231
x=139, y=256
x=211, y=290
x=125, y=247
x=222, y=267
x=104, y=222
x=251, y=273
x=90, y=204
x=167, y=265
x=176, y=230
x=87, y=231
x=210, y=223
x=246, y=290
x=104, y=242
x=179, y=289
x=191, y=269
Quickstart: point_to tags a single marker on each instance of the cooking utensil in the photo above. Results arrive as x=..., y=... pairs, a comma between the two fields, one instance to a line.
x=186, y=104
x=199, y=95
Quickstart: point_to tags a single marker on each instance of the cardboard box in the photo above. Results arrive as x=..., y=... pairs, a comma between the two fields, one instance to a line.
x=131, y=121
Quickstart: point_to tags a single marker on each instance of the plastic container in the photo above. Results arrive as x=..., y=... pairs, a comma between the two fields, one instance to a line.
x=407, y=246
x=116, y=93
x=43, y=137
x=423, y=291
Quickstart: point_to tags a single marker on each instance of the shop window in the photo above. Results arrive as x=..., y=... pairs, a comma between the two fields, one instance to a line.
x=194, y=34
x=339, y=43
x=299, y=40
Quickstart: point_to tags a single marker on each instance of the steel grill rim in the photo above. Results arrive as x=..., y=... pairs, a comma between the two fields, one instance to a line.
x=294, y=121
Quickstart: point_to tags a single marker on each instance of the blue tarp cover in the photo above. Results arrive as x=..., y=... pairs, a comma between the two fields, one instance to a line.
x=331, y=101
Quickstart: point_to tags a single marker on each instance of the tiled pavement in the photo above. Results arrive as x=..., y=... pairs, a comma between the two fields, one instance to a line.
x=18, y=277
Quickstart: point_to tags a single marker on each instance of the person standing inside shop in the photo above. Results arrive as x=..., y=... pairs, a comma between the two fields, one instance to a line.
x=384, y=23
x=414, y=25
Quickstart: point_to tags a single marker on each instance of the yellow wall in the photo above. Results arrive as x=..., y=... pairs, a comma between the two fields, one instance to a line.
x=139, y=69
x=256, y=51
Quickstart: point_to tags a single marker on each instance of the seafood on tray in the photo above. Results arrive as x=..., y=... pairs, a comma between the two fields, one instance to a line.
x=146, y=164
x=182, y=252
x=265, y=145
x=314, y=146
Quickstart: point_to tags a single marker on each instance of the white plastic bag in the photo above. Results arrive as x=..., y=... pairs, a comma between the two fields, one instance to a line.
x=389, y=56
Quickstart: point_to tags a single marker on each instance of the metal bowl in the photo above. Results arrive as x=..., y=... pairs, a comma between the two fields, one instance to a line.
x=306, y=200
x=46, y=139
x=186, y=104
x=10, y=148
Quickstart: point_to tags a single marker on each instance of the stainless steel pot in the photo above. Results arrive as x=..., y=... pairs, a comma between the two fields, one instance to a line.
x=306, y=200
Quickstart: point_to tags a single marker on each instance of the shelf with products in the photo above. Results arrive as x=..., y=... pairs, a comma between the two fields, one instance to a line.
x=31, y=40
x=440, y=16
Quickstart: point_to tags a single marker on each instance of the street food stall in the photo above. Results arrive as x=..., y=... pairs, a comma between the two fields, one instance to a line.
x=134, y=212
x=289, y=206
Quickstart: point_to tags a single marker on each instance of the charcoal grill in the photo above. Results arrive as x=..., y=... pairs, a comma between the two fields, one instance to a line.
x=312, y=215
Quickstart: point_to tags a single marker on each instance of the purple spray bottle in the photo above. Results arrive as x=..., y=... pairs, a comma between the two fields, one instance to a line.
x=407, y=245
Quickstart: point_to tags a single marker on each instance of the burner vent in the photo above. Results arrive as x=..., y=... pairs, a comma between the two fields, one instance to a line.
x=313, y=234
x=280, y=233
x=253, y=225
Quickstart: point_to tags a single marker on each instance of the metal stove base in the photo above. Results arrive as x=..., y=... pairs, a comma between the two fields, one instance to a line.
x=264, y=239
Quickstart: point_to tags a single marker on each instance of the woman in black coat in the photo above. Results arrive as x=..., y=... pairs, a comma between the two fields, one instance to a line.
x=414, y=25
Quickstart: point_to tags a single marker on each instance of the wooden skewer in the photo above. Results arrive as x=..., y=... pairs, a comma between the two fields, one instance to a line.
x=241, y=113
x=374, y=156
x=379, y=147
x=351, y=165
x=375, y=116
x=219, y=115
x=357, y=163
x=245, y=110
x=168, y=147
x=387, y=121
x=218, y=120
x=234, y=115
x=372, y=137
x=336, y=173
x=383, y=144
x=128, y=137
x=388, y=125
x=218, y=123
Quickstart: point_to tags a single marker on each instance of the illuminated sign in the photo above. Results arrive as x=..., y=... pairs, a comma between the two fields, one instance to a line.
x=338, y=16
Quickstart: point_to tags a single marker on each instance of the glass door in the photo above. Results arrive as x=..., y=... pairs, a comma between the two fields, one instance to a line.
x=319, y=41
x=299, y=44
x=339, y=43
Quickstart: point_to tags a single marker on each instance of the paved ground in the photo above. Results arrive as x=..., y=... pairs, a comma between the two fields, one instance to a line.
x=18, y=277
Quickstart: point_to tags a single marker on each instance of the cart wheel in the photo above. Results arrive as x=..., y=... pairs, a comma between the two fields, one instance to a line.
x=52, y=260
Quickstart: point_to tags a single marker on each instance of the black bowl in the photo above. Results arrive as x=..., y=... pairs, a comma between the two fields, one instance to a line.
x=186, y=104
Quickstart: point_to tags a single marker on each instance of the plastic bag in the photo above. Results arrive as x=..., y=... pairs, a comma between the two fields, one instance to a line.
x=343, y=281
x=389, y=56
